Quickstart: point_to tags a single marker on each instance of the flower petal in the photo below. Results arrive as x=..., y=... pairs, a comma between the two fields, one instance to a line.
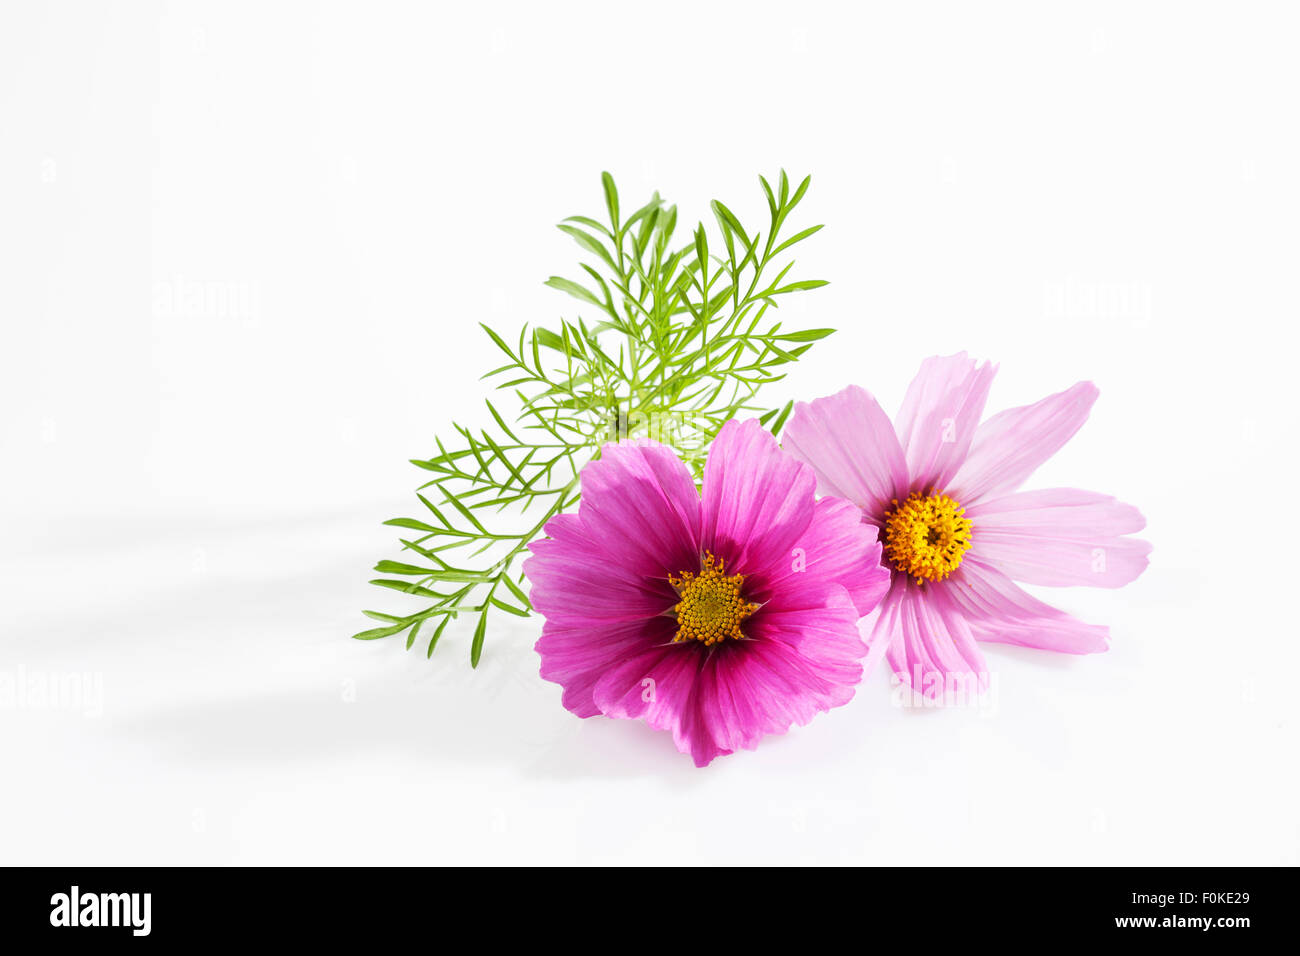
x=1060, y=537
x=1057, y=512
x=579, y=578
x=1013, y=443
x=882, y=626
x=757, y=500
x=767, y=690
x=1001, y=612
x=640, y=502
x=934, y=651
x=577, y=656
x=660, y=686
x=803, y=661
x=850, y=444
x=823, y=627
x=939, y=417
x=838, y=547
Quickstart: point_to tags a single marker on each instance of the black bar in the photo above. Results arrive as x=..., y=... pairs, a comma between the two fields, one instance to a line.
x=919, y=905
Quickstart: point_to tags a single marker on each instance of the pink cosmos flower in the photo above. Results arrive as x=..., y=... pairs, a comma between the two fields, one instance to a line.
x=721, y=617
x=941, y=490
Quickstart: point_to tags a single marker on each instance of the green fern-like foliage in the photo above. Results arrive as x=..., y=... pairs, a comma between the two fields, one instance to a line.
x=671, y=342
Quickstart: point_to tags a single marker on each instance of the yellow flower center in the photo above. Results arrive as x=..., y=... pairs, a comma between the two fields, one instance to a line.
x=926, y=536
x=711, y=606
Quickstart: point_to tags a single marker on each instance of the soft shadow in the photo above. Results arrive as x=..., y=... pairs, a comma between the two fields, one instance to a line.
x=439, y=712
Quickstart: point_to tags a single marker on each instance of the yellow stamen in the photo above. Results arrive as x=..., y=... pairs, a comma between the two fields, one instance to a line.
x=711, y=606
x=926, y=536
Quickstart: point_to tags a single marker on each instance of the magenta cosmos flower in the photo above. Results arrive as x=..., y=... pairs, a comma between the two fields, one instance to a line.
x=941, y=490
x=721, y=617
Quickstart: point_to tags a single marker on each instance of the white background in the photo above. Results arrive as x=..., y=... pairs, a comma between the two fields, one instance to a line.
x=193, y=488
